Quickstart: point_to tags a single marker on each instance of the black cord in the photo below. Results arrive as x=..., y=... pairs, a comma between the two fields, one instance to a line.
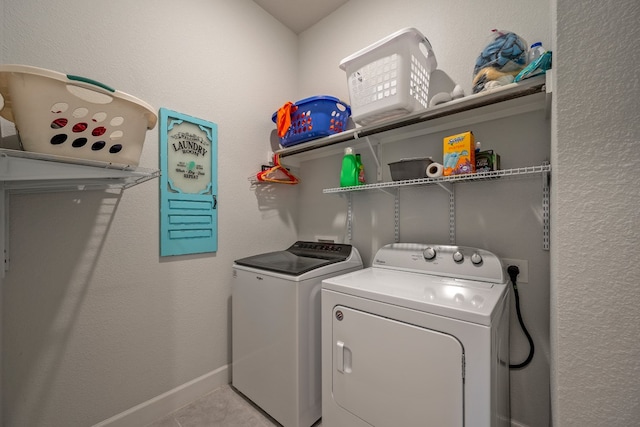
x=513, y=274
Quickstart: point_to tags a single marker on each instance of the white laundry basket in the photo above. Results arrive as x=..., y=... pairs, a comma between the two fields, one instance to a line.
x=390, y=78
x=73, y=116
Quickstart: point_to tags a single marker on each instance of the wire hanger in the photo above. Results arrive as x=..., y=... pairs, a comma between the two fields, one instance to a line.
x=271, y=174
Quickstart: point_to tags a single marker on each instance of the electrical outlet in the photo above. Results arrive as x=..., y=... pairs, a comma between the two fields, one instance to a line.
x=327, y=239
x=523, y=266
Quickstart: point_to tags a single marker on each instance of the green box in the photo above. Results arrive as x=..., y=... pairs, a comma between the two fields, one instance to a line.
x=487, y=161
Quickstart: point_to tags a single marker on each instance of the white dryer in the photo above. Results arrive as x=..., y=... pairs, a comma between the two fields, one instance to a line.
x=421, y=338
x=276, y=327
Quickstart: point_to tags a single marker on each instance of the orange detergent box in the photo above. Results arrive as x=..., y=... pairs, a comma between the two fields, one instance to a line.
x=458, y=154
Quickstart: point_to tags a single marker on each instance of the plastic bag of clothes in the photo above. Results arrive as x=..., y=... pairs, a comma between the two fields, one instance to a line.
x=500, y=61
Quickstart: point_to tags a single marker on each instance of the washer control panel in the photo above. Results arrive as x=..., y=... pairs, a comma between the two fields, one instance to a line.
x=454, y=261
x=320, y=250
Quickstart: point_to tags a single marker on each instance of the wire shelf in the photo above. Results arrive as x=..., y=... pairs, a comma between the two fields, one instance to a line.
x=482, y=176
x=22, y=171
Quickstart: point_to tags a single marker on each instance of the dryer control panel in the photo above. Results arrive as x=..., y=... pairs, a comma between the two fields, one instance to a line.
x=461, y=262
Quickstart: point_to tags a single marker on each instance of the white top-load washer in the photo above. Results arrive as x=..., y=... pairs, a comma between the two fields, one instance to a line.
x=275, y=321
x=421, y=338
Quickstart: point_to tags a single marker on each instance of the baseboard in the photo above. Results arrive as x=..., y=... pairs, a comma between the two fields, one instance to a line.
x=156, y=408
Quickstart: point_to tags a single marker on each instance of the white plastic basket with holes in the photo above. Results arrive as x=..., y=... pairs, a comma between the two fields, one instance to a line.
x=390, y=78
x=73, y=116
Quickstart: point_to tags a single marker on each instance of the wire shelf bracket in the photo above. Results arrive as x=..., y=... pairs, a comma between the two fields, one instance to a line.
x=447, y=184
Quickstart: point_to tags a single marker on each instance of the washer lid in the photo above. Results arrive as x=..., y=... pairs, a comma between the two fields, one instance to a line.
x=284, y=262
x=302, y=258
x=468, y=300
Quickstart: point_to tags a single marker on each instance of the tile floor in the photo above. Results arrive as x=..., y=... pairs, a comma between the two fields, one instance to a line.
x=223, y=407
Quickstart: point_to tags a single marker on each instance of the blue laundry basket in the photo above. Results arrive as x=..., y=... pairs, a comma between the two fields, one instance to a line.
x=315, y=117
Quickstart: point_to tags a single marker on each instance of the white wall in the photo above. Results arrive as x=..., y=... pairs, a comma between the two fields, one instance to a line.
x=595, y=223
x=503, y=217
x=94, y=321
x=458, y=30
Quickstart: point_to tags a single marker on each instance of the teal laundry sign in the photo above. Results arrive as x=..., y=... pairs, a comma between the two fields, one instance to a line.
x=188, y=185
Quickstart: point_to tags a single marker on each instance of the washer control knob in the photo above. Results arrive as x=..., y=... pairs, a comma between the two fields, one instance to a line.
x=429, y=253
x=476, y=258
x=457, y=256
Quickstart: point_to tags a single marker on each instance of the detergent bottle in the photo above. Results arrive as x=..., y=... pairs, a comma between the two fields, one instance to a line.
x=361, y=180
x=350, y=170
x=535, y=51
